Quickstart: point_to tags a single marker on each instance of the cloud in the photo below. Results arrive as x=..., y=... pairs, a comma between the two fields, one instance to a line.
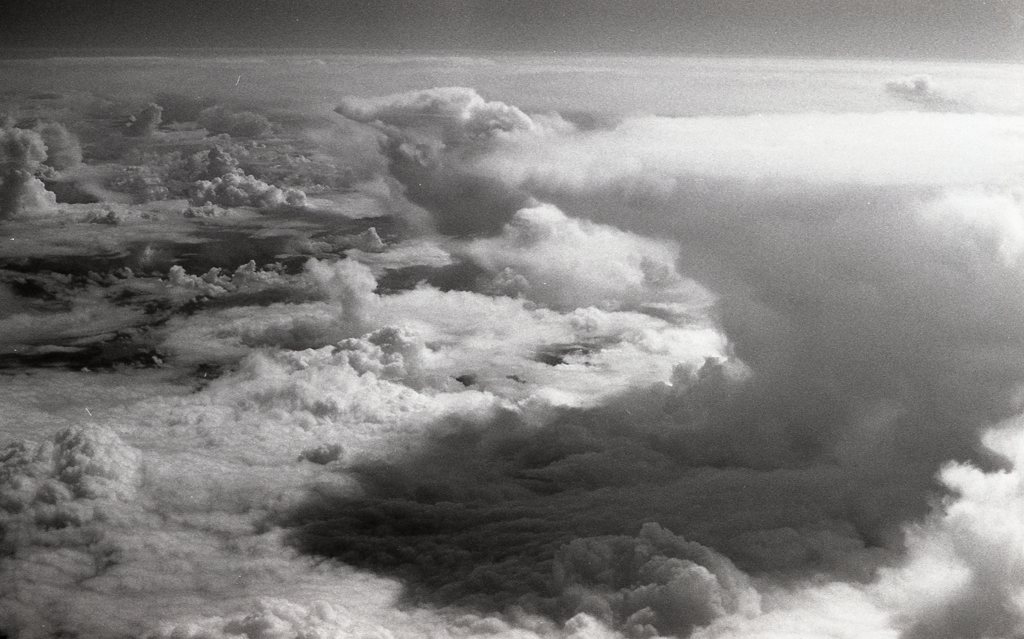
x=85, y=321
x=569, y=263
x=851, y=256
x=963, y=576
x=244, y=124
x=55, y=500
x=653, y=376
x=454, y=114
x=22, y=194
x=235, y=188
x=246, y=280
x=225, y=335
x=654, y=584
x=361, y=615
x=63, y=150
x=800, y=224
x=419, y=125
x=473, y=188
x=980, y=225
x=145, y=122
x=960, y=576
x=495, y=516
x=921, y=90
x=585, y=353
x=179, y=107
x=889, y=149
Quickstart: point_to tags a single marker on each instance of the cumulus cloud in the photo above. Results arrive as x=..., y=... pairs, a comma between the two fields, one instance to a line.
x=145, y=122
x=63, y=150
x=454, y=114
x=216, y=163
x=327, y=303
x=585, y=353
x=55, y=499
x=965, y=573
x=571, y=263
x=419, y=125
x=25, y=195
x=22, y=193
x=235, y=188
x=654, y=584
x=246, y=280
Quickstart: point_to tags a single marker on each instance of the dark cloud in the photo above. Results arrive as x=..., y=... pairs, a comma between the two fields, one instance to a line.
x=243, y=124
x=501, y=515
x=179, y=107
x=146, y=121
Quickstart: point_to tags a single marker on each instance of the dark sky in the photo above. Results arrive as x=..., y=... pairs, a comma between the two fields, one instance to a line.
x=836, y=28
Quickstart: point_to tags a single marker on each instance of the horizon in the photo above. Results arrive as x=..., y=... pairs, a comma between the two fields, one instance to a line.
x=57, y=53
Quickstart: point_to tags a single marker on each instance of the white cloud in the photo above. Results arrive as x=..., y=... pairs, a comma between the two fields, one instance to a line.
x=454, y=114
x=22, y=194
x=985, y=224
x=964, y=576
x=63, y=151
x=899, y=148
x=235, y=188
x=569, y=263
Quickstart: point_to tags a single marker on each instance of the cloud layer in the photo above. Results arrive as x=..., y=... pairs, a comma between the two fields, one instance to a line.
x=443, y=362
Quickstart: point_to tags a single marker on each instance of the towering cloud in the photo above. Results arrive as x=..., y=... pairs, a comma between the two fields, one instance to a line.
x=803, y=226
x=22, y=153
x=146, y=121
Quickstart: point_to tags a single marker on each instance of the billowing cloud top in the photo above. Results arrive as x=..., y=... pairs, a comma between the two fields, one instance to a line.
x=455, y=113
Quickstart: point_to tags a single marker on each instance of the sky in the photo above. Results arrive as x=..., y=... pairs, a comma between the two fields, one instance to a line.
x=946, y=29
